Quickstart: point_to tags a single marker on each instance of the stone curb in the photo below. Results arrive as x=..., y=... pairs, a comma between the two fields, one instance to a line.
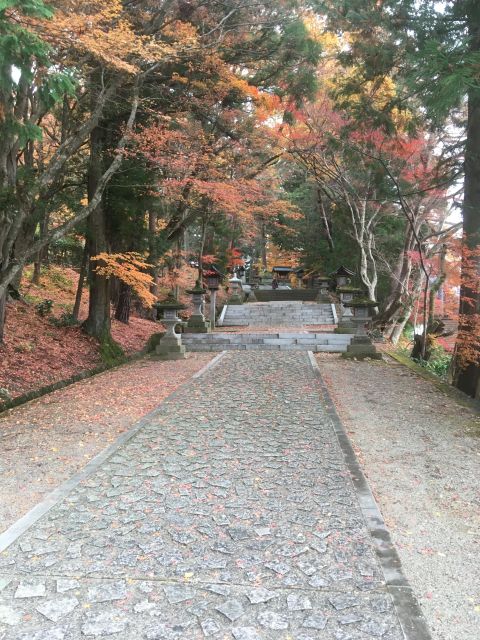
x=18, y=528
x=409, y=613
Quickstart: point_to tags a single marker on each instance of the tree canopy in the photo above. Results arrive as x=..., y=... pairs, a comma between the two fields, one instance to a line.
x=156, y=135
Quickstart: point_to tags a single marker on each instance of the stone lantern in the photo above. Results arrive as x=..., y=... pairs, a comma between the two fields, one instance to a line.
x=197, y=322
x=361, y=345
x=170, y=346
x=240, y=273
x=343, y=276
x=237, y=292
x=212, y=278
x=347, y=293
x=323, y=284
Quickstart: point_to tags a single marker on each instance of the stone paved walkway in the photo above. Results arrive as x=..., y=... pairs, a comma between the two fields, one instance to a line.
x=230, y=515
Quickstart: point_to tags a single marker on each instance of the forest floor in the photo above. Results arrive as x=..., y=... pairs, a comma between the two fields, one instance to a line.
x=420, y=451
x=38, y=352
x=46, y=441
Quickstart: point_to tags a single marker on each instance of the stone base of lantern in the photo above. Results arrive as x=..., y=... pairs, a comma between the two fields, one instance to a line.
x=251, y=296
x=323, y=296
x=170, y=349
x=235, y=299
x=346, y=327
x=361, y=348
x=197, y=324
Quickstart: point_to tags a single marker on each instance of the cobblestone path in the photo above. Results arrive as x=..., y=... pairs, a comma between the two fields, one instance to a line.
x=230, y=515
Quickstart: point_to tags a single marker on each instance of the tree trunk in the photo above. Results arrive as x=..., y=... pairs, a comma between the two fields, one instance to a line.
x=399, y=279
x=81, y=280
x=42, y=255
x=122, y=312
x=3, y=310
x=98, y=322
x=37, y=269
x=152, y=250
x=178, y=264
x=467, y=378
x=24, y=240
x=263, y=247
x=399, y=327
x=326, y=221
x=202, y=247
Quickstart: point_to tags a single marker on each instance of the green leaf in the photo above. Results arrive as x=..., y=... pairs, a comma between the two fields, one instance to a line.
x=35, y=8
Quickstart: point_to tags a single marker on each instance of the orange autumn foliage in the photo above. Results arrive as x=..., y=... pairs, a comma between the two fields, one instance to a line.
x=101, y=32
x=131, y=269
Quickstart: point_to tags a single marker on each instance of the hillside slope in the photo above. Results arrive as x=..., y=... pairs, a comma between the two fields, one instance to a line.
x=38, y=352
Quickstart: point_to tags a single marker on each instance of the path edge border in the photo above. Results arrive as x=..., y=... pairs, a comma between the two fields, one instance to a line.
x=412, y=620
x=20, y=526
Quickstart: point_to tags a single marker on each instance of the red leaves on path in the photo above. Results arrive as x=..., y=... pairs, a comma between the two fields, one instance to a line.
x=48, y=440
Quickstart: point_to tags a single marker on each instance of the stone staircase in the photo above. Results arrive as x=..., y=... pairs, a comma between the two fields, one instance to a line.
x=273, y=314
x=286, y=295
x=330, y=342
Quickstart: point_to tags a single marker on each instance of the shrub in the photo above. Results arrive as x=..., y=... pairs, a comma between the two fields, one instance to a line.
x=24, y=347
x=439, y=363
x=409, y=331
x=58, y=278
x=65, y=320
x=44, y=308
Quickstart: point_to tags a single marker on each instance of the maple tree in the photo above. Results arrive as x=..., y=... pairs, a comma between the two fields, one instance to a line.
x=35, y=77
x=129, y=268
x=364, y=175
x=432, y=51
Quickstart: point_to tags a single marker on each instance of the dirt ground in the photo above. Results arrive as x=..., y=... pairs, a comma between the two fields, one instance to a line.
x=47, y=440
x=420, y=451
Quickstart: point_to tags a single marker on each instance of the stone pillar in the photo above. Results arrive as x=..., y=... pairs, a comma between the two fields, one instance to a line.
x=213, y=307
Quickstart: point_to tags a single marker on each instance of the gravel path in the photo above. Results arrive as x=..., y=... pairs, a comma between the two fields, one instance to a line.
x=421, y=453
x=229, y=515
x=46, y=441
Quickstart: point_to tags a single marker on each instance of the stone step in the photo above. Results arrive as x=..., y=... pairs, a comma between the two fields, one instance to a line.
x=277, y=313
x=291, y=322
x=328, y=342
x=238, y=309
x=327, y=348
x=302, y=336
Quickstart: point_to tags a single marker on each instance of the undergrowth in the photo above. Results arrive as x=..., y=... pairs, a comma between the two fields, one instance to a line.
x=438, y=363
